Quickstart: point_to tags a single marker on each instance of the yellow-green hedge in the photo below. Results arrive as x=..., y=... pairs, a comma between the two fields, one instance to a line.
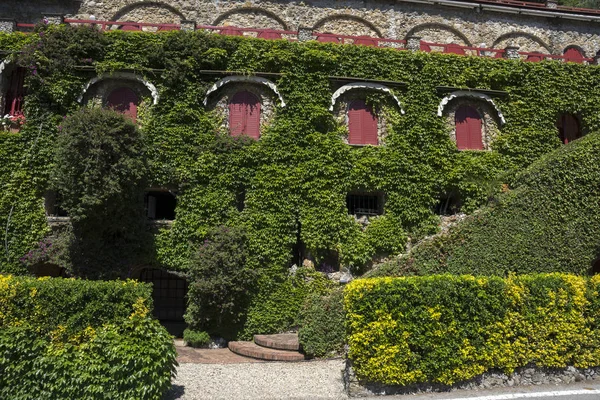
x=446, y=328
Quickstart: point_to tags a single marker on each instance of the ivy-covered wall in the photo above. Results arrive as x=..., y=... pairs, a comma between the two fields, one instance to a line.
x=296, y=177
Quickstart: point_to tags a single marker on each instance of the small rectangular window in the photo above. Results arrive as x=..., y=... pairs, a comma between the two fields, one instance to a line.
x=52, y=204
x=160, y=205
x=364, y=203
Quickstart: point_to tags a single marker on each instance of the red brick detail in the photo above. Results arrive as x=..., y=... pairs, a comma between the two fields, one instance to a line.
x=282, y=341
x=251, y=349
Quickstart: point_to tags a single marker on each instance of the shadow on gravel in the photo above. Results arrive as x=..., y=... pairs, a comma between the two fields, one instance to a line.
x=176, y=392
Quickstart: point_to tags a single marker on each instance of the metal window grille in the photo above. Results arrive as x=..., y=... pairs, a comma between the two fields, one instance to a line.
x=168, y=294
x=364, y=203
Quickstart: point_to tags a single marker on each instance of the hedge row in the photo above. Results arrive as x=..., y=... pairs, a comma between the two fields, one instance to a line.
x=445, y=329
x=547, y=221
x=74, y=339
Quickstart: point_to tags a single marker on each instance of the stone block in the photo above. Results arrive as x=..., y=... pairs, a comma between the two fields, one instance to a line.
x=305, y=34
x=512, y=52
x=188, y=25
x=413, y=43
x=53, y=19
x=7, y=25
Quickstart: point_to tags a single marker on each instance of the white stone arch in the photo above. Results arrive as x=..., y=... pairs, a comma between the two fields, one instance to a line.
x=473, y=95
x=363, y=86
x=130, y=76
x=243, y=79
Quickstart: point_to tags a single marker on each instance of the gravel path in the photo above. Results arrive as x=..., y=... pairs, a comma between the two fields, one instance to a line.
x=303, y=380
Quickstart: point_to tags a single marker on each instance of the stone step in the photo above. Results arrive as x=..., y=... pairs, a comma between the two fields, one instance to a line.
x=251, y=349
x=281, y=341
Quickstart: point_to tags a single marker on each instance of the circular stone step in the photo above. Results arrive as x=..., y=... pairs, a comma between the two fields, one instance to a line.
x=251, y=349
x=281, y=341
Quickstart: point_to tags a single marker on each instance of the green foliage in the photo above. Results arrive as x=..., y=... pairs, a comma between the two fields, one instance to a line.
x=221, y=283
x=275, y=307
x=196, y=338
x=288, y=188
x=547, y=222
x=100, y=173
x=65, y=338
x=322, y=330
x=445, y=329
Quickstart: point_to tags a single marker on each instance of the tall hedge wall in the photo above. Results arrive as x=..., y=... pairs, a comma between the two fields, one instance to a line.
x=547, y=221
x=75, y=339
x=446, y=329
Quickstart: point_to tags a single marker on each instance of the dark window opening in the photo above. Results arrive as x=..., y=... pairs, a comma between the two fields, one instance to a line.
x=160, y=205
x=596, y=267
x=569, y=128
x=169, y=297
x=364, y=203
x=53, y=205
x=448, y=205
x=15, y=94
x=299, y=249
x=240, y=200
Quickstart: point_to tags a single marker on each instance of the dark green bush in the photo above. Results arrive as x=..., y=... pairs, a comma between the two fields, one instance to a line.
x=196, y=338
x=221, y=283
x=72, y=339
x=100, y=173
x=446, y=328
x=322, y=330
x=547, y=221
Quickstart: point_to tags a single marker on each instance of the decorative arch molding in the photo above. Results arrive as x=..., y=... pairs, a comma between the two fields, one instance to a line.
x=363, y=85
x=354, y=18
x=128, y=8
x=243, y=79
x=246, y=10
x=473, y=95
x=439, y=26
x=130, y=76
x=527, y=35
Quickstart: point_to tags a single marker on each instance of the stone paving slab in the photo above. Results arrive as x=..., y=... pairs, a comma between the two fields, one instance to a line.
x=281, y=341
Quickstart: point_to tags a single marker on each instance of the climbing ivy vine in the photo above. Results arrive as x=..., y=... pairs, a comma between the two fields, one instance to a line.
x=294, y=180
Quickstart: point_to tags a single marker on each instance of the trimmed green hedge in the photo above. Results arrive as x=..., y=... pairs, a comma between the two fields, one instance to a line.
x=548, y=221
x=446, y=328
x=74, y=339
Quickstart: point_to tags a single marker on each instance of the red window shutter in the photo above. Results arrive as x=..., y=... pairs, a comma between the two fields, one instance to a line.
x=244, y=115
x=16, y=92
x=362, y=124
x=534, y=57
x=268, y=34
x=424, y=47
x=330, y=38
x=130, y=28
x=468, y=129
x=569, y=129
x=124, y=100
x=365, y=41
x=573, y=55
x=453, y=48
x=231, y=31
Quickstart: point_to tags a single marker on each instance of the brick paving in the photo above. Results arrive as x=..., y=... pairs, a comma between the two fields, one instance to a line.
x=209, y=356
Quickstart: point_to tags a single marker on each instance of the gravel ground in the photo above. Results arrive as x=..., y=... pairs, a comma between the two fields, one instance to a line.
x=304, y=380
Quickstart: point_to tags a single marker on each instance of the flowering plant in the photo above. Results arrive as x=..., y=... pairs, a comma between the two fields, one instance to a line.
x=12, y=121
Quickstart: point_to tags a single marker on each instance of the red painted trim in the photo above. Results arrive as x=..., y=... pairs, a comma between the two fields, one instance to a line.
x=362, y=124
x=468, y=128
x=244, y=115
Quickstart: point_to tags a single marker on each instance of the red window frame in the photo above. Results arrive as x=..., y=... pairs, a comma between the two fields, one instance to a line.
x=244, y=114
x=572, y=54
x=362, y=124
x=468, y=128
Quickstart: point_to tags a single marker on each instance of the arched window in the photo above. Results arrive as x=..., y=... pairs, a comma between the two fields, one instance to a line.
x=573, y=55
x=366, y=41
x=269, y=35
x=130, y=28
x=328, y=37
x=362, y=124
x=16, y=92
x=568, y=128
x=534, y=57
x=244, y=115
x=231, y=31
x=468, y=128
x=124, y=100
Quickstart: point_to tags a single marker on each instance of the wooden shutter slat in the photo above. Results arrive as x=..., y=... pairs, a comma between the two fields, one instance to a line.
x=244, y=115
x=362, y=124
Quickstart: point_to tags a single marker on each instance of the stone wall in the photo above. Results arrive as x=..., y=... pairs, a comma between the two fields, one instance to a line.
x=384, y=18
